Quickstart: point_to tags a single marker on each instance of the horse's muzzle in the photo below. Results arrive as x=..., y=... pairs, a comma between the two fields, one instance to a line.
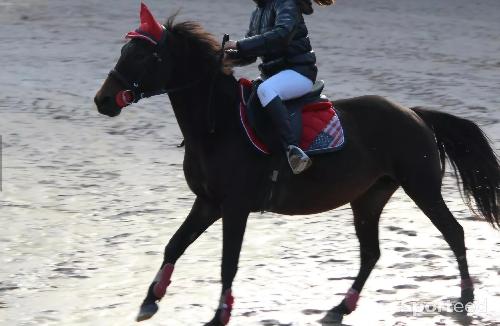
x=107, y=106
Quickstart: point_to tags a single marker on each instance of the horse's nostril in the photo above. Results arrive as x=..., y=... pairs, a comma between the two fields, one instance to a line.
x=96, y=101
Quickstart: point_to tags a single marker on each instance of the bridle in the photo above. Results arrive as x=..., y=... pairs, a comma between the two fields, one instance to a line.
x=134, y=87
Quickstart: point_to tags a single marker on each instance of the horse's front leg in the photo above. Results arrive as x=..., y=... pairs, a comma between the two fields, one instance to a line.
x=234, y=221
x=202, y=215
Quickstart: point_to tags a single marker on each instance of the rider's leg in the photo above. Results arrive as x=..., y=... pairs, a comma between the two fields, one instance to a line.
x=286, y=85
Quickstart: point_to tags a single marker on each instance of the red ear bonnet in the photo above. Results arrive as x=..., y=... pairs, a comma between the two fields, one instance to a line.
x=150, y=29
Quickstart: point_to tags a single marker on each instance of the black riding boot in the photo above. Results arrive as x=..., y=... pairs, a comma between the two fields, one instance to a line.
x=298, y=160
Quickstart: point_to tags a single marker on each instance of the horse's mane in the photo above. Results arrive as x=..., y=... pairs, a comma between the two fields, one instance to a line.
x=197, y=39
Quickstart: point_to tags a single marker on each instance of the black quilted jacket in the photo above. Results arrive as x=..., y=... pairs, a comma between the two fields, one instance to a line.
x=278, y=35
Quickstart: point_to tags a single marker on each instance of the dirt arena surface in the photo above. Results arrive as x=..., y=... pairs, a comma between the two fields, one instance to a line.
x=89, y=202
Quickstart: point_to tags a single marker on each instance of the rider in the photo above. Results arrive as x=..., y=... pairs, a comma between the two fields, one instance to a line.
x=278, y=35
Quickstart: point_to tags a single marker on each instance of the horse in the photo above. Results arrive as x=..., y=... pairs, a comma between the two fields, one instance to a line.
x=388, y=146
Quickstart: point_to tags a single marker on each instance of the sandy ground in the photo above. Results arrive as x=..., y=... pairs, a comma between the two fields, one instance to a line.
x=89, y=202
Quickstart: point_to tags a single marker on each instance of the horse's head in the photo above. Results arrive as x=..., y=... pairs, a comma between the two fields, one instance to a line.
x=142, y=69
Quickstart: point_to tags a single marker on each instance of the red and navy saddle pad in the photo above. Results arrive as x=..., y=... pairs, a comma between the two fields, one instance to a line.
x=321, y=128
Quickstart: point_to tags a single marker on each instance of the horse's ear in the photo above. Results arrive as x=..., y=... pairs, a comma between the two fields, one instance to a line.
x=150, y=29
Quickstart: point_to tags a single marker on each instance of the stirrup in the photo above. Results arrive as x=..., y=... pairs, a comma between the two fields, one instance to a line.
x=298, y=160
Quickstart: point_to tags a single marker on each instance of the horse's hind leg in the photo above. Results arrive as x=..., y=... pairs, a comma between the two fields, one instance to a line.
x=202, y=215
x=426, y=193
x=367, y=210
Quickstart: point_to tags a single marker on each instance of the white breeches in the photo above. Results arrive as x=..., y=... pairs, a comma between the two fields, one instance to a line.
x=287, y=84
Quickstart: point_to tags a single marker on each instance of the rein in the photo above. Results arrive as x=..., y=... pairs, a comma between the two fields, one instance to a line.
x=138, y=95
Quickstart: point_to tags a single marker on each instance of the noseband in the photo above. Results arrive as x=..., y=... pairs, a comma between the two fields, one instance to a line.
x=134, y=87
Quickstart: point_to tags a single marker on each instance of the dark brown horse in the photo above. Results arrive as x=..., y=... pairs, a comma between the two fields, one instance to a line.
x=388, y=146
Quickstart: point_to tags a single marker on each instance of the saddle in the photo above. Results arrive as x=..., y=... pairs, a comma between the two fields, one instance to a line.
x=313, y=119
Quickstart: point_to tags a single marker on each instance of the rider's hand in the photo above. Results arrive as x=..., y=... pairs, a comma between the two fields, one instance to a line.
x=231, y=45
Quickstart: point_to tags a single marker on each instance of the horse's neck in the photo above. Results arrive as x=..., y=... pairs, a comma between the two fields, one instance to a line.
x=191, y=107
x=188, y=107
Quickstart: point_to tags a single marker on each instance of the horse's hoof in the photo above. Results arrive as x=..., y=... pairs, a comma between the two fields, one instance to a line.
x=467, y=296
x=335, y=315
x=466, y=299
x=215, y=321
x=147, y=311
x=332, y=318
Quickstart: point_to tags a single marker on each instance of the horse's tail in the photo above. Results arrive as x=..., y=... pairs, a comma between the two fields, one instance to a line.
x=470, y=153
